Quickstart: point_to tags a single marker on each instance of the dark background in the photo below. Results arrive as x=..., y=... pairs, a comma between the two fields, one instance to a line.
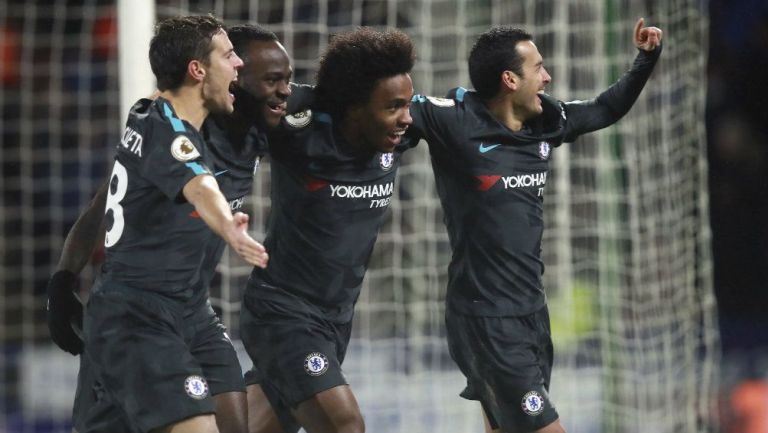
x=737, y=131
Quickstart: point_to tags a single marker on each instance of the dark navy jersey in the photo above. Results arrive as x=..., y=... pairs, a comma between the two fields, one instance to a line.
x=491, y=183
x=152, y=243
x=234, y=160
x=327, y=208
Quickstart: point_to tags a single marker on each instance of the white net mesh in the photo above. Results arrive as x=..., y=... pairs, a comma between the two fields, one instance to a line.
x=626, y=246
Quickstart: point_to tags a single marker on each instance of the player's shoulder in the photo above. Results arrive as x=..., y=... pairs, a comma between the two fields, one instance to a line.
x=553, y=111
x=155, y=123
x=450, y=101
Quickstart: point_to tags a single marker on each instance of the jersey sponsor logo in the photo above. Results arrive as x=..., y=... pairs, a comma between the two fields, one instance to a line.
x=196, y=387
x=524, y=180
x=233, y=206
x=533, y=403
x=236, y=203
x=544, y=150
x=300, y=119
x=314, y=184
x=362, y=191
x=380, y=195
x=487, y=182
x=441, y=102
x=132, y=141
x=484, y=149
x=315, y=364
x=183, y=150
x=386, y=161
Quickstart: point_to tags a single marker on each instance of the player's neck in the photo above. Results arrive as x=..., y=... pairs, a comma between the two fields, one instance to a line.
x=188, y=105
x=502, y=109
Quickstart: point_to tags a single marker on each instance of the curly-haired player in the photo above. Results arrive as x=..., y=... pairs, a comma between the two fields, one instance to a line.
x=333, y=171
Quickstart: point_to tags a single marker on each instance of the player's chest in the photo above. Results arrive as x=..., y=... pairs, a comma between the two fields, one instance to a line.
x=502, y=167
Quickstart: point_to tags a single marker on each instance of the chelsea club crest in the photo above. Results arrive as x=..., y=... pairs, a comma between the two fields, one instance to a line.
x=386, y=161
x=196, y=387
x=315, y=364
x=533, y=403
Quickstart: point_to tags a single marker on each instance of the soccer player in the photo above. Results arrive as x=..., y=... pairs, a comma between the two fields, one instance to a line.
x=236, y=142
x=333, y=170
x=136, y=336
x=490, y=152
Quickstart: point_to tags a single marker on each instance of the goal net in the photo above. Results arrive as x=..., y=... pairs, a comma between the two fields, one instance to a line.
x=626, y=248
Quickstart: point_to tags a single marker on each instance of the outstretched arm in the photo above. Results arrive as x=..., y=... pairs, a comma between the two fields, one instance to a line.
x=64, y=310
x=204, y=194
x=611, y=105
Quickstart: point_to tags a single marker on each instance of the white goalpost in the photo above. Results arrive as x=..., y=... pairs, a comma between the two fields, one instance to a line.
x=627, y=244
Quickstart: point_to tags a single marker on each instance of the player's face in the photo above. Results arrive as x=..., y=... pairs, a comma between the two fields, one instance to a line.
x=263, y=85
x=385, y=117
x=535, y=78
x=220, y=73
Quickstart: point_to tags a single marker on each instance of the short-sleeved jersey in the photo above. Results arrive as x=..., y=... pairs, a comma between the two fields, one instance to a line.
x=327, y=208
x=152, y=241
x=491, y=183
x=234, y=161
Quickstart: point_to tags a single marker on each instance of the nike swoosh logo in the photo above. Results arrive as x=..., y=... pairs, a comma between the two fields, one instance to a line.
x=220, y=172
x=483, y=148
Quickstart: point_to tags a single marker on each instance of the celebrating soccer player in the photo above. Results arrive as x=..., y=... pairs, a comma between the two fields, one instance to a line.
x=333, y=171
x=490, y=153
x=202, y=360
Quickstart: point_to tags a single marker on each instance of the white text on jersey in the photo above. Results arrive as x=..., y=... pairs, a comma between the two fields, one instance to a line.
x=132, y=141
x=525, y=180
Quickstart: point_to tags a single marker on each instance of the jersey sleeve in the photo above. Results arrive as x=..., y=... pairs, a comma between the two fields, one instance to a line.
x=611, y=105
x=436, y=120
x=173, y=156
x=302, y=97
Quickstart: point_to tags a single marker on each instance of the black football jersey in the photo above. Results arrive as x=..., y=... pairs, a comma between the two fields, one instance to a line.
x=327, y=208
x=491, y=182
x=234, y=160
x=152, y=243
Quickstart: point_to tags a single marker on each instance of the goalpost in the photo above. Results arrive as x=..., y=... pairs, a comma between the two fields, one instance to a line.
x=626, y=248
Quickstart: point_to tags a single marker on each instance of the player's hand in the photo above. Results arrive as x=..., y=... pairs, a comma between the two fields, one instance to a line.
x=647, y=38
x=64, y=312
x=245, y=246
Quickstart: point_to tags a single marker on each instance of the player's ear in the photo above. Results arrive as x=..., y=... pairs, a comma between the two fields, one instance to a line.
x=509, y=80
x=196, y=70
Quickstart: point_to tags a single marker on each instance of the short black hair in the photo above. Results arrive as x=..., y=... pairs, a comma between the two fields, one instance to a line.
x=243, y=34
x=495, y=52
x=355, y=61
x=178, y=41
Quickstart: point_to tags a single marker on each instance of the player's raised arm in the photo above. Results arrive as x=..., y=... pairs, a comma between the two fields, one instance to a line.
x=203, y=192
x=611, y=105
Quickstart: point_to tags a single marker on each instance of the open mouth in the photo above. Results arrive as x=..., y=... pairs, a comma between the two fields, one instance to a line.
x=278, y=108
x=232, y=89
x=396, y=136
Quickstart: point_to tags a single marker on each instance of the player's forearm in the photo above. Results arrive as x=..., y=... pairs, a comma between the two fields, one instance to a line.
x=204, y=194
x=614, y=102
x=84, y=234
x=620, y=97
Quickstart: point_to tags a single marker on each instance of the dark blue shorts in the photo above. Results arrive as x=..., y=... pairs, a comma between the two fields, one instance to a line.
x=295, y=350
x=508, y=363
x=149, y=362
